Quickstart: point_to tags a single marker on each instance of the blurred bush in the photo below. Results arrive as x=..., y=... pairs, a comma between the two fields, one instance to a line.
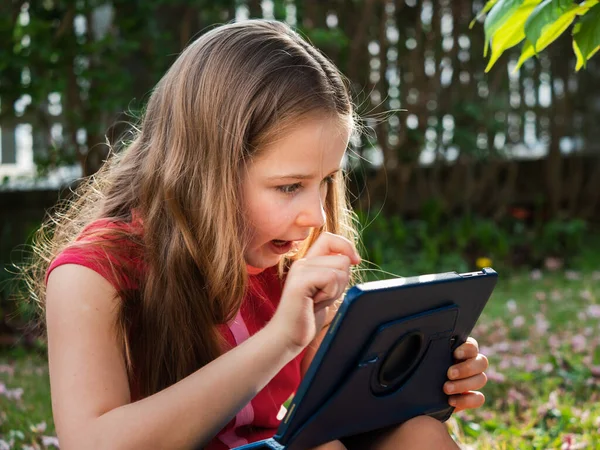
x=435, y=242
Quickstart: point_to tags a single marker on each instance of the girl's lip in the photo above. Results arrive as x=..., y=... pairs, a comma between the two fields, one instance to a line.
x=281, y=249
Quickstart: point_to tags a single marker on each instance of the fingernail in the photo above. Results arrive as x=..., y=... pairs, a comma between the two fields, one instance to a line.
x=453, y=373
x=452, y=402
x=460, y=354
x=450, y=387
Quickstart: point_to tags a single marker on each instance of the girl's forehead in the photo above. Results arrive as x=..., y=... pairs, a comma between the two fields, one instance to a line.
x=316, y=141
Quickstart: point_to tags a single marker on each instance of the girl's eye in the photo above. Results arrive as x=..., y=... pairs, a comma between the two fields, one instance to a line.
x=289, y=188
x=293, y=188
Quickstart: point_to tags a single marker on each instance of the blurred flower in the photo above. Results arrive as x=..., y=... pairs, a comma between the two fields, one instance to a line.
x=553, y=399
x=50, y=440
x=552, y=403
x=5, y=368
x=518, y=321
x=494, y=376
x=567, y=442
x=554, y=342
x=578, y=342
x=483, y=262
x=516, y=397
x=547, y=368
x=519, y=213
x=487, y=415
x=540, y=295
x=553, y=263
x=581, y=315
x=518, y=361
x=14, y=394
x=487, y=351
x=586, y=295
x=531, y=363
x=541, y=324
x=503, y=346
x=536, y=274
x=16, y=434
x=570, y=443
x=594, y=311
x=511, y=305
x=572, y=275
x=39, y=428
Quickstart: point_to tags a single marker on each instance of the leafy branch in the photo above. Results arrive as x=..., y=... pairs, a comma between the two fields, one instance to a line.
x=538, y=23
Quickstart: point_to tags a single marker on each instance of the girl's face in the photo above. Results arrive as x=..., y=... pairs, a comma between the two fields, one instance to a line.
x=284, y=188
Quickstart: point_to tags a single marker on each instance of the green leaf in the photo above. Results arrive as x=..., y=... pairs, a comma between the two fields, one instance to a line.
x=499, y=14
x=545, y=25
x=550, y=14
x=586, y=36
x=512, y=32
x=483, y=12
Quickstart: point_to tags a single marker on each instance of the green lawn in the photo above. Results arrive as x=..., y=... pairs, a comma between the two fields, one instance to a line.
x=25, y=411
x=542, y=337
x=541, y=333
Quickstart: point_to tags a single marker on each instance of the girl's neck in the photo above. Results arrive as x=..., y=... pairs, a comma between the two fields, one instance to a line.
x=253, y=270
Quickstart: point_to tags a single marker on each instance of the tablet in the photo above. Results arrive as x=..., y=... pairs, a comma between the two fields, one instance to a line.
x=385, y=357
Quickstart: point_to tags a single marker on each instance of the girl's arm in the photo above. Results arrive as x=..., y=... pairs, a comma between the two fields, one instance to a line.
x=90, y=391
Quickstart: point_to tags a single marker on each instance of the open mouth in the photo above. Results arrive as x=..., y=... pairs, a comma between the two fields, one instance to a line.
x=281, y=247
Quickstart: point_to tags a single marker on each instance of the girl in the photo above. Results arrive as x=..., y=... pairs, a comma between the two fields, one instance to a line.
x=188, y=287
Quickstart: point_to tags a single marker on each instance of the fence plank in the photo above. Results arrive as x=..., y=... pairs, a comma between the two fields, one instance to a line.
x=9, y=145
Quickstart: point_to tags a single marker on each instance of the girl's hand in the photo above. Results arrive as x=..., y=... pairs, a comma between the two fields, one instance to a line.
x=466, y=377
x=312, y=285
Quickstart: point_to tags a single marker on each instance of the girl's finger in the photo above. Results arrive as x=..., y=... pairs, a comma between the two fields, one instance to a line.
x=468, y=384
x=470, y=400
x=468, y=368
x=473, y=341
x=329, y=282
x=332, y=244
x=469, y=349
x=340, y=262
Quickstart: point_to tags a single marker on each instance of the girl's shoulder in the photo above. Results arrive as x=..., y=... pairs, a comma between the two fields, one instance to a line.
x=112, y=248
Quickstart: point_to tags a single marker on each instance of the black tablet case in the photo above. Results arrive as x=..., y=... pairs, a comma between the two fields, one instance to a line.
x=385, y=358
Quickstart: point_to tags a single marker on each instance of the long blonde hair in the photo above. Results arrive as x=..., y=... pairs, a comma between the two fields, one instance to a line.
x=229, y=93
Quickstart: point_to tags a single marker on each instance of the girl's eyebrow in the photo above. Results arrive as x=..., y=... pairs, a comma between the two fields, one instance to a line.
x=300, y=176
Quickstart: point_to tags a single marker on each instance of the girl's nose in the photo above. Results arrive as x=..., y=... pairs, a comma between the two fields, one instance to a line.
x=312, y=214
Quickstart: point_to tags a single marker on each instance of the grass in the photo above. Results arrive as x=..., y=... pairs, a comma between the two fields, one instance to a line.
x=541, y=332
x=25, y=410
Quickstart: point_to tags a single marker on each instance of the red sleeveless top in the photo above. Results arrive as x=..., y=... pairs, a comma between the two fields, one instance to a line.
x=260, y=418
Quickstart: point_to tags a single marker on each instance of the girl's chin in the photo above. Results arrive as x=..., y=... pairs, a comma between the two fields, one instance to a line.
x=263, y=261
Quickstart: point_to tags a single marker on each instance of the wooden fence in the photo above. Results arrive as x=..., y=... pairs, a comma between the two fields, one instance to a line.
x=415, y=55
